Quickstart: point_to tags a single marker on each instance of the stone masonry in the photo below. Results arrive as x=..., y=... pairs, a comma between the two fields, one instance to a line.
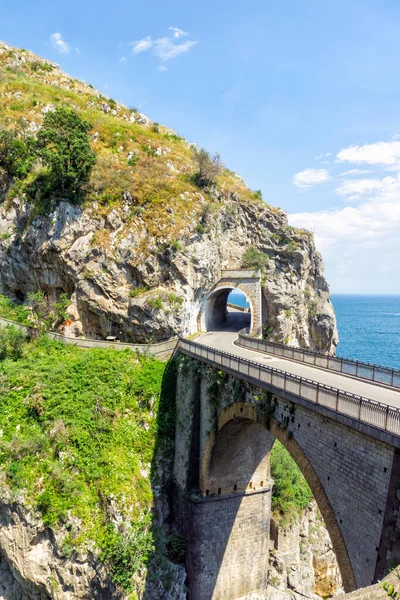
x=214, y=307
x=349, y=473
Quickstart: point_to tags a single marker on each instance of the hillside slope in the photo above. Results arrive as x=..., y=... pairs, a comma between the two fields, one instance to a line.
x=138, y=255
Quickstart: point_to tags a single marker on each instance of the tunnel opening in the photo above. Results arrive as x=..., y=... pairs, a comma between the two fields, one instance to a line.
x=228, y=309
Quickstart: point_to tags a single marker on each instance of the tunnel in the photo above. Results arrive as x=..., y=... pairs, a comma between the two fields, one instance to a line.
x=227, y=308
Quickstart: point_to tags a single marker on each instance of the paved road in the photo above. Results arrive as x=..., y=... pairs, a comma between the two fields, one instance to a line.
x=224, y=338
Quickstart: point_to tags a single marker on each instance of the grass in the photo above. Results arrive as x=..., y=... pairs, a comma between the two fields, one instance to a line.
x=79, y=434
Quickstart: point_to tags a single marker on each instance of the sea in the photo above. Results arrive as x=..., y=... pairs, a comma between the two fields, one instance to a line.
x=369, y=326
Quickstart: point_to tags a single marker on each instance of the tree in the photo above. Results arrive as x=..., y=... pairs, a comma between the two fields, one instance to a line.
x=209, y=167
x=64, y=147
x=14, y=154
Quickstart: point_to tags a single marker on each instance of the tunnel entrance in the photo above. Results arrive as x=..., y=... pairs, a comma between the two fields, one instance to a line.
x=228, y=309
x=233, y=303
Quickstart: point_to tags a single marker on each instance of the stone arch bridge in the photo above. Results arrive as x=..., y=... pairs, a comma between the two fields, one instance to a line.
x=231, y=406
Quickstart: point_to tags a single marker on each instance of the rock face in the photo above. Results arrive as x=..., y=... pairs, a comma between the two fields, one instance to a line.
x=32, y=566
x=302, y=562
x=135, y=288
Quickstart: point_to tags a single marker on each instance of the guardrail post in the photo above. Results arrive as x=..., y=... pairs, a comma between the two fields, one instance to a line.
x=392, y=376
x=387, y=417
x=357, y=369
x=359, y=407
x=341, y=365
x=373, y=374
x=284, y=382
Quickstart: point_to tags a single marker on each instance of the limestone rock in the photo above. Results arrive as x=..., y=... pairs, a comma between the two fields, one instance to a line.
x=97, y=260
x=302, y=562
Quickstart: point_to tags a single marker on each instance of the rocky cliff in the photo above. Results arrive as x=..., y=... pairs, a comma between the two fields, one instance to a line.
x=139, y=255
x=302, y=562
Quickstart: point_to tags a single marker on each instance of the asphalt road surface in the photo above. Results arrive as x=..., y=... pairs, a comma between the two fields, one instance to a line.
x=225, y=336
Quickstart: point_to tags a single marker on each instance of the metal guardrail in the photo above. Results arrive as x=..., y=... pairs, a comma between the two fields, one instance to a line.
x=368, y=411
x=347, y=366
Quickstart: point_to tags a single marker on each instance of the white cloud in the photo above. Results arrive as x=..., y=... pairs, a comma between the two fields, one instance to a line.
x=142, y=45
x=177, y=32
x=363, y=187
x=162, y=68
x=310, y=177
x=356, y=172
x=164, y=48
x=123, y=59
x=321, y=156
x=380, y=153
x=357, y=241
x=58, y=43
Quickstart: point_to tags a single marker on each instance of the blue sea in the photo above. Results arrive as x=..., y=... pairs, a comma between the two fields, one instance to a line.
x=369, y=326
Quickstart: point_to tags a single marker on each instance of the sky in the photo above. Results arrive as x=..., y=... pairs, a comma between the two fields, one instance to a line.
x=300, y=98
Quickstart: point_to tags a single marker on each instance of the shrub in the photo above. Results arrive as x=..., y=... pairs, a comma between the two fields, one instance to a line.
x=176, y=548
x=155, y=303
x=208, y=167
x=139, y=290
x=155, y=127
x=257, y=194
x=64, y=147
x=200, y=228
x=254, y=258
x=12, y=341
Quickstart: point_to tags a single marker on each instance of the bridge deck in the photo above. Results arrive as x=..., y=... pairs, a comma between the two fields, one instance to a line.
x=224, y=339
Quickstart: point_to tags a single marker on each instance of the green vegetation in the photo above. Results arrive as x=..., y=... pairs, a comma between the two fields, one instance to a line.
x=208, y=167
x=254, y=258
x=291, y=493
x=64, y=147
x=138, y=291
x=14, y=312
x=80, y=431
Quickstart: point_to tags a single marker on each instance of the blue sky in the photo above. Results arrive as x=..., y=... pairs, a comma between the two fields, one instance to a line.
x=301, y=98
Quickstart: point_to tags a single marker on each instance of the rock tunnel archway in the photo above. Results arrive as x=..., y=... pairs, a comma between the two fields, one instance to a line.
x=213, y=311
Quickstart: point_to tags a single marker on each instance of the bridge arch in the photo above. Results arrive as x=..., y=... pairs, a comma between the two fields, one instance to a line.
x=228, y=466
x=213, y=310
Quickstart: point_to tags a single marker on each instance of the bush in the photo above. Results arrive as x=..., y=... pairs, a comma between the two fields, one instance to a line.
x=64, y=147
x=12, y=341
x=209, y=167
x=254, y=258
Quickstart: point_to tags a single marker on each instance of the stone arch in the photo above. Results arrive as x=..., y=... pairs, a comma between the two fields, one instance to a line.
x=213, y=312
x=228, y=422
x=213, y=308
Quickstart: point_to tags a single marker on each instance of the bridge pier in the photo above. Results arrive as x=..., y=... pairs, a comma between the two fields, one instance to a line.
x=228, y=541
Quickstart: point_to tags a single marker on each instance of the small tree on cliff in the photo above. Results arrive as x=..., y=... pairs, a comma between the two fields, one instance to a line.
x=64, y=147
x=209, y=167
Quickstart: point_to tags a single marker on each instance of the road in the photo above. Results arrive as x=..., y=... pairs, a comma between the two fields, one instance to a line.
x=224, y=338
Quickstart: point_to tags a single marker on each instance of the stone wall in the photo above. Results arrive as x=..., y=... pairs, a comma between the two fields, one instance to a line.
x=349, y=472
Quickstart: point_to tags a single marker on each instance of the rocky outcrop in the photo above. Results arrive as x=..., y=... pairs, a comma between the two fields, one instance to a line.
x=35, y=565
x=122, y=281
x=302, y=562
